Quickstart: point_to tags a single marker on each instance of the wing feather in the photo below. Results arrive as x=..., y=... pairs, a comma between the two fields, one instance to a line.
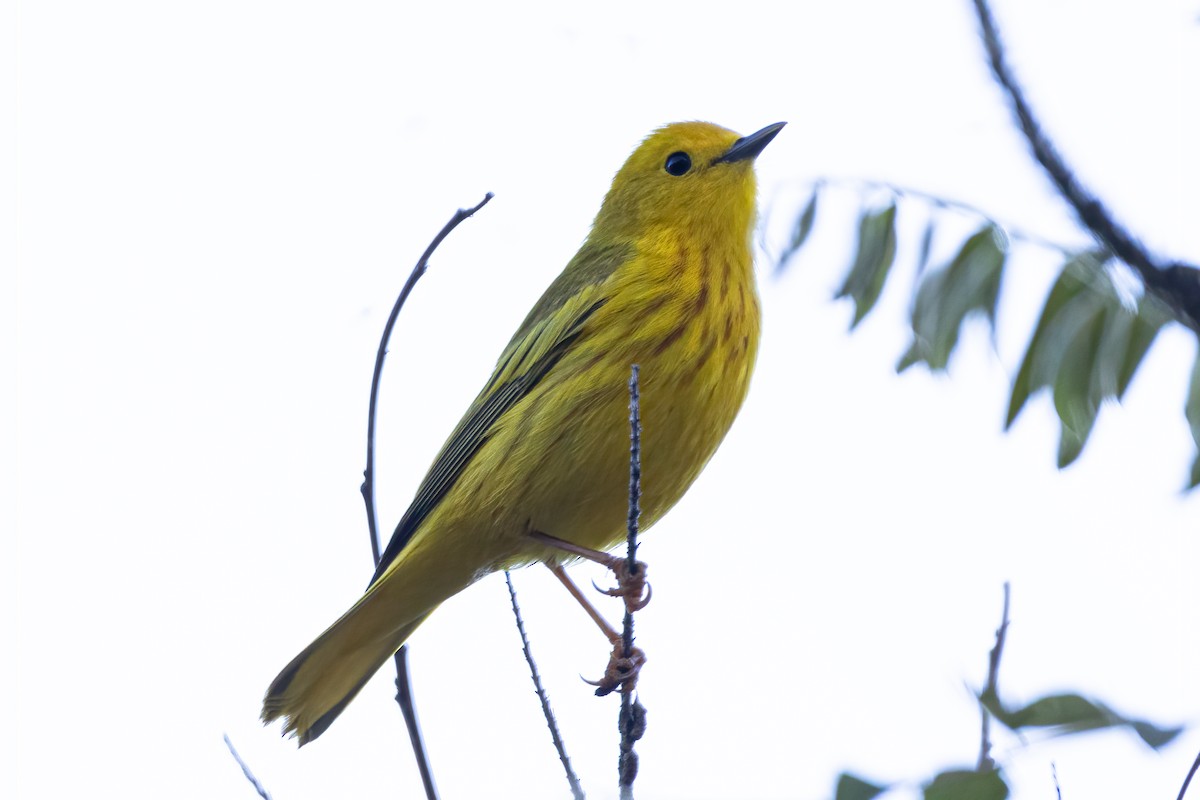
x=532, y=353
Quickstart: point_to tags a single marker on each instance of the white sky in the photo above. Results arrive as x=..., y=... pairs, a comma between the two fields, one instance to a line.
x=217, y=204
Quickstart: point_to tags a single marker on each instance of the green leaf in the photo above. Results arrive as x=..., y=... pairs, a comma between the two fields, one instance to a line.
x=990, y=702
x=1068, y=305
x=851, y=787
x=970, y=282
x=1072, y=713
x=961, y=784
x=1153, y=735
x=924, y=320
x=1113, y=341
x=876, y=252
x=1087, y=345
x=1076, y=398
x=1127, y=336
x=804, y=225
x=1062, y=710
x=1191, y=410
x=926, y=248
x=1148, y=321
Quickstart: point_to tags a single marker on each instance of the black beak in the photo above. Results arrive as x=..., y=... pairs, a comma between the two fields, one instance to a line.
x=750, y=146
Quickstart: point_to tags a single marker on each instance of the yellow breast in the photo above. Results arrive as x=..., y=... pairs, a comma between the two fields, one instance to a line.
x=694, y=335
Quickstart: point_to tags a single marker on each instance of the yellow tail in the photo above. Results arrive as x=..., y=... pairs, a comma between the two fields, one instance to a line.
x=319, y=683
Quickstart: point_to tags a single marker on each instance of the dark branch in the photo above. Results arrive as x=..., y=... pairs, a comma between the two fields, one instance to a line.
x=403, y=685
x=368, y=485
x=632, y=720
x=551, y=722
x=635, y=493
x=404, y=699
x=1187, y=781
x=258, y=787
x=1176, y=285
x=986, y=764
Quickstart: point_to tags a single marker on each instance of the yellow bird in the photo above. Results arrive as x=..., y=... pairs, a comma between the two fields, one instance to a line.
x=664, y=280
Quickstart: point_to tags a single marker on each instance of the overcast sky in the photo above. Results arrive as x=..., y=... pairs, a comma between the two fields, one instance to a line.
x=217, y=203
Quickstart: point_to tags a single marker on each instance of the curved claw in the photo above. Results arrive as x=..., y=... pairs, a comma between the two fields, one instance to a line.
x=629, y=586
x=622, y=671
x=638, y=605
x=630, y=603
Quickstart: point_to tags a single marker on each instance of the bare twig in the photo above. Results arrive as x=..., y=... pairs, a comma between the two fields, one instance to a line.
x=368, y=485
x=1015, y=232
x=986, y=764
x=635, y=490
x=632, y=720
x=404, y=699
x=632, y=723
x=403, y=685
x=1176, y=285
x=551, y=722
x=1054, y=775
x=1188, y=780
x=258, y=787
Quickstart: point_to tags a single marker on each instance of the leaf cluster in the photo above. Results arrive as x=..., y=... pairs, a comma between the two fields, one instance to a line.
x=1089, y=340
x=1060, y=714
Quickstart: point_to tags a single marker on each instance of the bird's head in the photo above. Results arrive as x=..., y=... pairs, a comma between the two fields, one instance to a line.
x=685, y=175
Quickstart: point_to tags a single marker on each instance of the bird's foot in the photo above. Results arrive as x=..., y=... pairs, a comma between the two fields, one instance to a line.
x=622, y=671
x=631, y=583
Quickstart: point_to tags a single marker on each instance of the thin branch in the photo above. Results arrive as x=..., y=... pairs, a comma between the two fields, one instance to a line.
x=632, y=719
x=986, y=764
x=1187, y=781
x=404, y=699
x=551, y=722
x=1176, y=285
x=368, y=485
x=632, y=723
x=404, y=696
x=1054, y=775
x=258, y=787
x=946, y=203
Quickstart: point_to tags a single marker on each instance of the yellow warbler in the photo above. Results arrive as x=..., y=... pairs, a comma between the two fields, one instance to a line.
x=665, y=280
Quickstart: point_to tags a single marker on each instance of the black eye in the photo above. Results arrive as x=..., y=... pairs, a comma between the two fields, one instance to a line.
x=678, y=163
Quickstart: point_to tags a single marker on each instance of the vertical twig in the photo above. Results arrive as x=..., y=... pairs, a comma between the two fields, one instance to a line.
x=258, y=787
x=404, y=697
x=632, y=719
x=635, y=492
x=986, y=764
x=551, y=722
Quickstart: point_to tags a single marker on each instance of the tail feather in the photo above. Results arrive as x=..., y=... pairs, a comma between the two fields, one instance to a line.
x=319, y=683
